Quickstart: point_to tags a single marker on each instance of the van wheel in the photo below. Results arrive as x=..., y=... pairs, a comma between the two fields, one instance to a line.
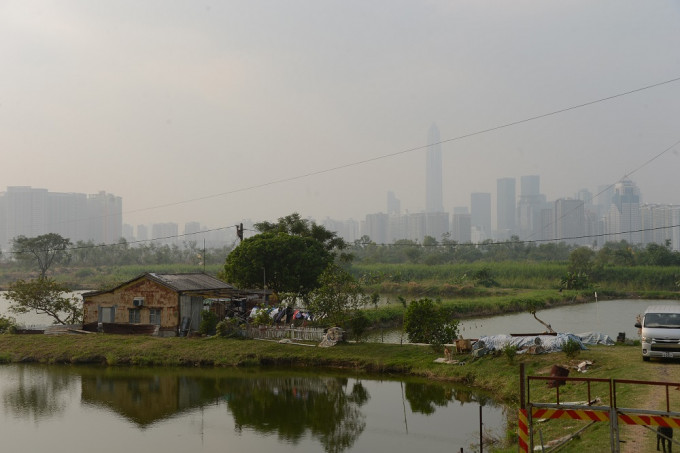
x=644, y=358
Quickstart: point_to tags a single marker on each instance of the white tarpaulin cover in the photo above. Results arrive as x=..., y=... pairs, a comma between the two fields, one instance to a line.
x=596, y=338
x=549, y=343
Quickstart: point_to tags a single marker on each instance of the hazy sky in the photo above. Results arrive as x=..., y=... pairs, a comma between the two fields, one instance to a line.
x=163, y=102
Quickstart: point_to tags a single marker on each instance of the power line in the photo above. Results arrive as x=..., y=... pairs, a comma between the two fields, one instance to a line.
x=406, y=151
x=140, y=241
x=649, y=161
x=394, y=154
x=523, y=242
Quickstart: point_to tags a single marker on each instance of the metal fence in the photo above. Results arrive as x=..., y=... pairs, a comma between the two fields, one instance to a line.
x=290, y=333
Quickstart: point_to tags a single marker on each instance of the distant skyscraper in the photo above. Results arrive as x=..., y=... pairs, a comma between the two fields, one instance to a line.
x=376, y=227
x=165, y=233
x=393, y=204
x=569, y=223
x=624, y=216
x=190, y=230
x=480, y=212
x=32, y=212
x=142, y=233
x=106, y=217
x=436, y=225
x=461, y=230
x=530, y=186
x=433, y=172
x=529, y=206
x=505, y=207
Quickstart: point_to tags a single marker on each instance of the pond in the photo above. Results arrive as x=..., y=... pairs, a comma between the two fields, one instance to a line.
x=610, y=317
x=65, y=409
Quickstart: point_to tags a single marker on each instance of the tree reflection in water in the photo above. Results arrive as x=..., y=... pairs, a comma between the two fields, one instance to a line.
x=37, y=394
x=424, y=397
x=294, y=407
x=290, y=406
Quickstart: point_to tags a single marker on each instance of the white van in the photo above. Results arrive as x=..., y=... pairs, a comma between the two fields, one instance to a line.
x=660, y=334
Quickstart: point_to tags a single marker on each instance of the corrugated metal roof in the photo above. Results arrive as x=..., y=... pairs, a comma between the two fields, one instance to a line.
x=177, y=282
x=191, y=282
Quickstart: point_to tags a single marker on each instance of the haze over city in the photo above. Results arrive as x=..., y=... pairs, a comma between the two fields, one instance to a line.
x=223, y=111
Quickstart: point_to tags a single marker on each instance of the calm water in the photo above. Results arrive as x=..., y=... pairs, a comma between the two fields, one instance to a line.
x=609, y=317
x=66, y=409
x=28, y=319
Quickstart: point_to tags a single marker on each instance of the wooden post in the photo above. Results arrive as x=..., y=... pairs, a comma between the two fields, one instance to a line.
x=481, y=441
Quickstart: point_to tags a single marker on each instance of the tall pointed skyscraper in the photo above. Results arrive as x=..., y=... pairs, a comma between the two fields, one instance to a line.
x=433, y=172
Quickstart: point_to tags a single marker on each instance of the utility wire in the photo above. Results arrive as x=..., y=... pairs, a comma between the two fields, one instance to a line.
x=394, y=154
x=649, y=161
x=406, y=151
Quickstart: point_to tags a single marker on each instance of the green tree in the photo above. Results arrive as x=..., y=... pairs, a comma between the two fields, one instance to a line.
x=338, y=297
x=44, y=250
x=295, y=225
x=581, y=260
x=428, y=322
x=45, y=296
x=283, y=262
x=7, y=324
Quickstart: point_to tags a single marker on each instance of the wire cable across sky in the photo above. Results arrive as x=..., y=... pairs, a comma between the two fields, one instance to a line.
x=408, y=150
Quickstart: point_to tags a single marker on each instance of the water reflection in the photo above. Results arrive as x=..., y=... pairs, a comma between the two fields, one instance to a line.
x=291, y=406
x=425, y=398
x=295, y=411
x=36, y=395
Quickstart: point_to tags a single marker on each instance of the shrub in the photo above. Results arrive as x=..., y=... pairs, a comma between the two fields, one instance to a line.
x=208, y=323
x=510, y=350
x=262, y=318
x=571, y=348
x=7, y=324
x=229, y=328
x=358, y=325
x=428, y=322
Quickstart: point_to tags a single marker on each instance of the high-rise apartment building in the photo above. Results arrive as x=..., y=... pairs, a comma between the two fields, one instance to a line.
x=165, y=233
x=436, y=225
x=505, y=208
x=31, y=212
x=393, y=204
x=433, y=172
x=480, y=213
x=569, y=222
x=624, y=220
x=105, y=215
x=142, y=233
x=376, y=227
x=529, y=206
x=461, y=230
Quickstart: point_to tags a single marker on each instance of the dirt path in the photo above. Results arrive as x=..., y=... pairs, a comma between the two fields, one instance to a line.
x=638, y=438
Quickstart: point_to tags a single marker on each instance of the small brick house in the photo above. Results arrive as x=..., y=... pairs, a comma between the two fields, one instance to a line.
x=167, y=301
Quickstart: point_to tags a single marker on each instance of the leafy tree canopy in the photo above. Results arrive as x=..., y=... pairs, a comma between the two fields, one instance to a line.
x=287, y=263
x=44, y=250
x=338, y=297
x=45, y=296
x=295, y=225
x=428, y=322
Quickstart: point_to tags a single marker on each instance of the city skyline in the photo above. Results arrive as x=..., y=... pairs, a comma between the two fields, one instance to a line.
x=233, y=110
x=618, y=214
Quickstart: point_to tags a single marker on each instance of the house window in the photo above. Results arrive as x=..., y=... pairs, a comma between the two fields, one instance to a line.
x=135, y=317
x=107, y=314
x=155, y=316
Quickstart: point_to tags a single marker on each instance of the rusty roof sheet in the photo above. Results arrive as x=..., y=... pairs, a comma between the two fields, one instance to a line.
x=191, y=282
x=178, y=282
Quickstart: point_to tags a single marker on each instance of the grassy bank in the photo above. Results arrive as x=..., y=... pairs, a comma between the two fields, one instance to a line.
x=497, y=374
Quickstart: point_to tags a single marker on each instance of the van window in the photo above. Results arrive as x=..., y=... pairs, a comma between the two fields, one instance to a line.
x=663, y=320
